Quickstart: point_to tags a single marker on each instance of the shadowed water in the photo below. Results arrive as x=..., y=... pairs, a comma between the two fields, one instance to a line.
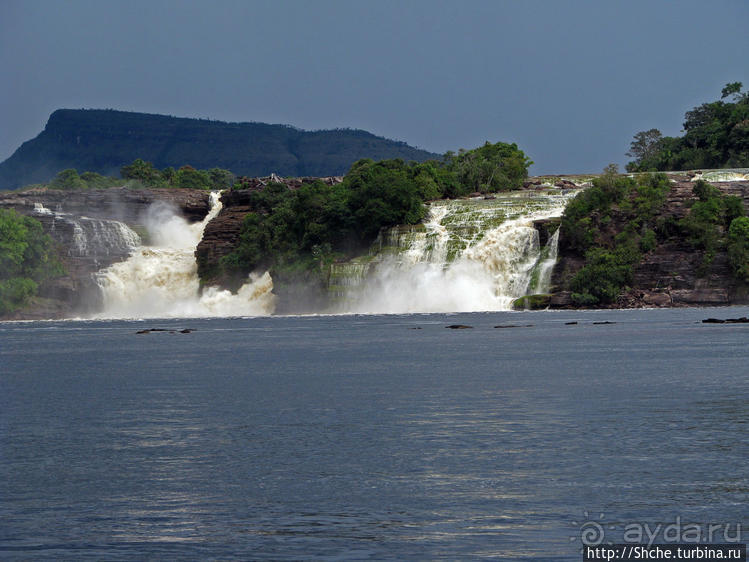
x=361, y=437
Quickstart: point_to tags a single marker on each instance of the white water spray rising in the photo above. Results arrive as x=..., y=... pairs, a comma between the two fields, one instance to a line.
x=161, y=280
x=469, y=255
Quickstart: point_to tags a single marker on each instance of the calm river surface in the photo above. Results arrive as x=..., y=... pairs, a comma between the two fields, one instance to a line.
x=369, y=437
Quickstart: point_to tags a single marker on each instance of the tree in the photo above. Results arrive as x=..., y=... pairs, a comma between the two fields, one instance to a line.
x=27, y=258
x=492, y=167
x=67, y=179
x=382, y=194
x=221, y=179
x=95, y=181
x=142, y=171
x=189, y=177
x=168, y=174
x=732, y=88
x=716, y=135
x=645, y=145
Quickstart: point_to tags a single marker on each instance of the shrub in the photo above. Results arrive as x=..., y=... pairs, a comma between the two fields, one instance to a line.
x=603, y=277
x=651, y=195
x=738, y=247
x=27, y=258
x=578, y=225
x=609, y=263
x=648, y=242
x=707, y=223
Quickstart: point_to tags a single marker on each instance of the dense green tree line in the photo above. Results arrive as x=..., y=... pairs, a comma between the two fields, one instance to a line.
x=300, y=230
x=27, y=259
x=716, y=135
x=715, y=222
x=142, y=174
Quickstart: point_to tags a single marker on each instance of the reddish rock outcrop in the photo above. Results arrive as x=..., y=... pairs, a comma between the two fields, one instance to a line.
x=670, y=275
x=221, y=235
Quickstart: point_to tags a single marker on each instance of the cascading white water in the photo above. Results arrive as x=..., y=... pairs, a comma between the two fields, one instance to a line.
x=469, y=255
x=93, y=237
x=161, y=280
x=542, y=283
x=717, y=176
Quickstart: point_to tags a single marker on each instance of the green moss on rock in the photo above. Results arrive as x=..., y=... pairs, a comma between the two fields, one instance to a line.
x=532, y=302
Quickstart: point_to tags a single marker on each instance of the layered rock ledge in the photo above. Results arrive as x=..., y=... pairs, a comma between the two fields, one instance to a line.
x=669, y=275
x=116, y=203
x=221, y=235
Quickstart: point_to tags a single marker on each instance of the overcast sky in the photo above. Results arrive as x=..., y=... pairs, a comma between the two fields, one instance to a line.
x=569, y=81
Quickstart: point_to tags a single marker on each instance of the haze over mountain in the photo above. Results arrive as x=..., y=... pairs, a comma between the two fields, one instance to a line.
x=103, y=140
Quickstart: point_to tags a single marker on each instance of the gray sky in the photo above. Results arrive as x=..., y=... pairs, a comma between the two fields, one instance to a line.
x=569, y=81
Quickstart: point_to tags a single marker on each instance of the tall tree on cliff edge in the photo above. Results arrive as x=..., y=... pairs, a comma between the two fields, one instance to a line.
x=645, y=145
x=716, y=135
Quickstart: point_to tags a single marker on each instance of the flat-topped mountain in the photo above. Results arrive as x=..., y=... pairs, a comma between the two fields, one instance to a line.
x=104, y=140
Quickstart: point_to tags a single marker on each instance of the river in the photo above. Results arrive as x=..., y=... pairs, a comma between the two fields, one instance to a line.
x=369, y=437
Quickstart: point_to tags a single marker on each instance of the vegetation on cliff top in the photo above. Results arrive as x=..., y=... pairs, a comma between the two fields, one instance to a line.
x=141, y=174
x=294, y=232
x=617, y=220
x=716, y=135
x=27, y=259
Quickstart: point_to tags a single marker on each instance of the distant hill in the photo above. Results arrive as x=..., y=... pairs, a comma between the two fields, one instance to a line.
x=103, y=140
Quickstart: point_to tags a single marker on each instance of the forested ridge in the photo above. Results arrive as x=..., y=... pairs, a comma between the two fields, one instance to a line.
x=104, y=140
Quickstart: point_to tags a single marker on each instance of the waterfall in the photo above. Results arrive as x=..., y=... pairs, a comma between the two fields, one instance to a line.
x=89, y=237
x=469, y=255
x=161, y=280
x=541, y=277
x=716, y=176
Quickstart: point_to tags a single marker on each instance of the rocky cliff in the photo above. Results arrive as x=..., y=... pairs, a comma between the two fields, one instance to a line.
x=105, y=140
x=669, y=275
x=121, y=204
